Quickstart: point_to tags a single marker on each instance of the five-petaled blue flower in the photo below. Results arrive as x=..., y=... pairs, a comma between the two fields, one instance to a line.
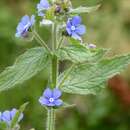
x=7, y=116
x=43, y=5
x=51, y=97
x=74, y=27
x=25, y=24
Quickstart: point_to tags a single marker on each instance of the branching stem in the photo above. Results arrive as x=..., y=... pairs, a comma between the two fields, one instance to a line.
x=41, y=42
x=60, y=42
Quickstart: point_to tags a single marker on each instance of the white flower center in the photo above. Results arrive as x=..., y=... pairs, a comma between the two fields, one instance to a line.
x=72, y=28
x=51, y=100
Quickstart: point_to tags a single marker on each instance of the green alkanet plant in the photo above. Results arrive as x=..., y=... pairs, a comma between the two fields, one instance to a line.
x=89, y=68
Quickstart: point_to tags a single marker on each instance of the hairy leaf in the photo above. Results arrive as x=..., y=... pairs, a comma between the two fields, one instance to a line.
x=90, y=78
x=26, y=66
x=84, y=9
x=80, y=53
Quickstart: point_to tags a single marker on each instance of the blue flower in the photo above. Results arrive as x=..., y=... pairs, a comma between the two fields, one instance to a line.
x=43, y=5
x=7, y=116
x=24, y=25
x=51, y=97
x=74, y=27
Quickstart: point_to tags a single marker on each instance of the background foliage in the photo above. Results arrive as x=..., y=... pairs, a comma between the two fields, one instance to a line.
x=108, y=27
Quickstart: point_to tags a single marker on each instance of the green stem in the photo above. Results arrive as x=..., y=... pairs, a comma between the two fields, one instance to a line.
x=54, y=58
x=60, y=42
x=54, y=71
x=41, y=42
x=54, y=74
x=51, y=119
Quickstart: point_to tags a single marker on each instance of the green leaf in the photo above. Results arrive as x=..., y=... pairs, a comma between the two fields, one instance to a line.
x=25, y=67
x=14, y=122
x=80, y=53
x=84, y=9
x=73, y=41
x=3, y=126
x=90, y=78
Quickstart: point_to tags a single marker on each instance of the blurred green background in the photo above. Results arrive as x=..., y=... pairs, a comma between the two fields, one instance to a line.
x=108, y=27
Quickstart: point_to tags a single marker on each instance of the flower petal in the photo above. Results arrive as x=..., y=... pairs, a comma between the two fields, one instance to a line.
x=80, y=29
x=43, y=101
x=20, y=26
x=32, y=20
x=48, y=93
x=44, y=4
x=39, y=7
x=24, y=25
x=76, y=20
x=68, y=30
x=56, y=93
x=69, y=23
x=6, y=116
x=18, y=34
x=58, y=102
x=51, y=104
x=12, y=113
x=25, y=19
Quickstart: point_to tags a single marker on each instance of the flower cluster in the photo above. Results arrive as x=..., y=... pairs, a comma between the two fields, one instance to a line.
x=48, y=10
x=50, y=97
x=7, y=116
x=61, y=6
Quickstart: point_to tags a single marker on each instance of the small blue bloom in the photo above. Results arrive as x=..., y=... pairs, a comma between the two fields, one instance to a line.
x=43, y=5
x=25, y=24
x=51, y=97
x=7, y=116
x=74, y=27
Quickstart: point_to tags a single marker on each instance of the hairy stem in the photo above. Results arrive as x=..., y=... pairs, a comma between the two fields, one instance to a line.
x=50, y=119
x=54, y=58
x=41, y=42
x=54, y=71
x=60, y=42
x=54, y=74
